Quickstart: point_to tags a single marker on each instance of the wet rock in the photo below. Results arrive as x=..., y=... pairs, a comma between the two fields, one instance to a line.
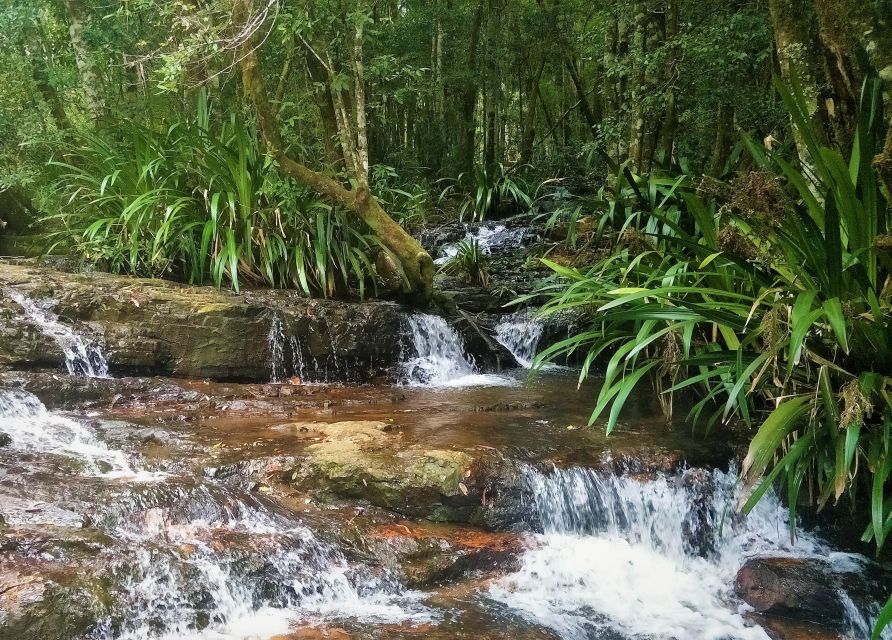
x=369, y=461
x=5, y=440
x=427, y=555
x=434, y=239
x=159, y=327
x=795, y=588
x=697, y=527
x=780, y=628
x=315, y=633
x=35, y=607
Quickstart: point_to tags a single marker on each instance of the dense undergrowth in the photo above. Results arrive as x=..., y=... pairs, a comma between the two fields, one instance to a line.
x=769, y=295
x=199, y=201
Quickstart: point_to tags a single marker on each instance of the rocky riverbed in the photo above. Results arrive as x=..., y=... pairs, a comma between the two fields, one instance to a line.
x=443, y=497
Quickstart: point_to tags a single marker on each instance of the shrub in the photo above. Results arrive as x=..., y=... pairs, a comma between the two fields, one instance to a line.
x=469, y=263
x=203, y=205
x=777, y=315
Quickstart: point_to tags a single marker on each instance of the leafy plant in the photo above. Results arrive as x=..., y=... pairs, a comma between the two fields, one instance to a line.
x=772, y=303
x=201, y=204
x=488, y=188
x=469, y=263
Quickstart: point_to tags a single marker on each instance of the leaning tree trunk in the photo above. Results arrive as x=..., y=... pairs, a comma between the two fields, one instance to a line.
x=416, y=263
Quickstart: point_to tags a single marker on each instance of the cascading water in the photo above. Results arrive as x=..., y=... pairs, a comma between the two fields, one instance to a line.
x=520, y=335
x=489, y=236
x=276, y=349
x=229, y=567
x=82, y=357
x=195, y=558
x=33, y=429
x=439, y=359
x=644, y=558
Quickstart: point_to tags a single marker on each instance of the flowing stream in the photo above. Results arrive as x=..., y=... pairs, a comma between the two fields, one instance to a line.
x=652, y=558
x=439, y=358
x=173, y=509
x=194, y=558
x=82, y=356
x=520, y=334
x=490, y=237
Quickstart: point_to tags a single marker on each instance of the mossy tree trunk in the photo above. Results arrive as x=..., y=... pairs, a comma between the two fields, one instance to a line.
x=416, y=263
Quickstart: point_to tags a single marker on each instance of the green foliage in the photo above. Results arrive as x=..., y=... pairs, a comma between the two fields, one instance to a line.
x=406, y=202
x=469, y=263
x=769, y=300
x=485, y=189
x=201, y=204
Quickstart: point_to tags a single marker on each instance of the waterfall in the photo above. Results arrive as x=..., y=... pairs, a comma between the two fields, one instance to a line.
x=520, y=335
x=33, y=429
x=82, y=357
x=247, y=571
x=652, y=558
x=440, y=359
x=275, y=344
x=490, y=236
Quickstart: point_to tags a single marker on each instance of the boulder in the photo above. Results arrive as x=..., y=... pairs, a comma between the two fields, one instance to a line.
x=795, y=588
x=164, y=328
x=368, y=460
x=426, y=555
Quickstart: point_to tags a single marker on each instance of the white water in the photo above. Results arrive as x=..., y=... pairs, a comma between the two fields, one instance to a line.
x=82, y=357
x=489, y=237
x=520, y=335
x=440, y=359
x=275, y=344
x=33, y=429
x=251, y=573
x=613, y=555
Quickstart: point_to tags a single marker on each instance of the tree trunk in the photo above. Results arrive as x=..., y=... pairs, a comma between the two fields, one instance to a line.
x=588, y=114
x=639, y=44
x=724, y=140
x=334, y=154
x=77, y=19
x=529, y=117
x=468, y=96
x=666, y=142
x=416, y=263
x=798, y=54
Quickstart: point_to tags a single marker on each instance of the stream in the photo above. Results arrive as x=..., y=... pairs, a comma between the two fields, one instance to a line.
x=186, y=509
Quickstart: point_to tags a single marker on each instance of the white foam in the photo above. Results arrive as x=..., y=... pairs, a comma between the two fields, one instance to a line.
x=33, y=429
x=613, y=555
x=440, y=360
x=82, y=357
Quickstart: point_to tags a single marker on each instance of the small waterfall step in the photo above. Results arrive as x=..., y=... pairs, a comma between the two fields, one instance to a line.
x=439, y=358
x=655, y=558
x=520, y=334
x=83, y=357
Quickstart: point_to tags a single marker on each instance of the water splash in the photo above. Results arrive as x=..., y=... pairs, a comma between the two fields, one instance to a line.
x=440, y=359
x=82, y=357
x=490, y=237
x=654, y=558
x=275, y=343
x=225, y=566
x=33, y=429
x=520, y=334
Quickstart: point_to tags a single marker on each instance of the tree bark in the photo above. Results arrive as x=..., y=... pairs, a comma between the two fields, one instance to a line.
x=798, y=54
x=468, y=96
x=77, y=19
x=416, y=263
x=724, y=140
x=529, y=117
